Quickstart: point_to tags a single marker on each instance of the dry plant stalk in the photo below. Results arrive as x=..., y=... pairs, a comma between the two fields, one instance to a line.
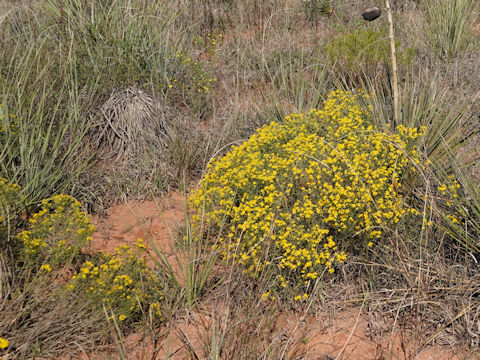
x=391, y=35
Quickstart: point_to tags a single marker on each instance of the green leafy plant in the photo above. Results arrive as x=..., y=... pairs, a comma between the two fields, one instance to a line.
x=363, y=52
x=297, y=194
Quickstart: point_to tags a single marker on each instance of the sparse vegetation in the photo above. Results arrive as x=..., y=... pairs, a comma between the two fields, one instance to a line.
x=275, y=118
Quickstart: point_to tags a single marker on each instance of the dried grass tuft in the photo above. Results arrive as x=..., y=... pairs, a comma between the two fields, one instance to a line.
x=5, y=278
x=40, y=322
x=128, y=122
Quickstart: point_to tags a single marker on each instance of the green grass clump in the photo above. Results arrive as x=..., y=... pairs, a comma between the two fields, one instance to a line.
x=296, y=194
x=122, y=282
x=8, y=123
x=41, y=126
x=449, y=26
x=112, y=44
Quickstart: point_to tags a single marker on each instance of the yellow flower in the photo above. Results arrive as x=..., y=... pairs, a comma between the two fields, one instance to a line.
x=46, y=267
x=156, y=308
x=122, y=317
x=266, y=295
x=442, y=188
x=4, y=343
x=140, y=244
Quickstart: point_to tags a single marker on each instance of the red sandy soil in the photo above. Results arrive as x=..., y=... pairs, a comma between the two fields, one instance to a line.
x=306, y=339
x=155, y=222
x=346, y=338
x=341, y=337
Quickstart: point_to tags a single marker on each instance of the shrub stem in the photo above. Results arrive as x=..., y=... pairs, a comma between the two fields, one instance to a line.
x=391, y=35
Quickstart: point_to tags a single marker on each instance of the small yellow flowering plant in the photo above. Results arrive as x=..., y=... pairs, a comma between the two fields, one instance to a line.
x=10, y=203
x=56, y=233
x=297, y=193
x=453, y=205
x=122, y=281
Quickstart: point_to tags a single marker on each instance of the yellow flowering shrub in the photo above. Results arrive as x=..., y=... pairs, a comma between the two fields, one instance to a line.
x=10, y=198
x=122, y=281
x=56, y=233
x=297, y=193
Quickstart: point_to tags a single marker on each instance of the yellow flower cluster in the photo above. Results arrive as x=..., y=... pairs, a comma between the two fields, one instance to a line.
x=447, y=194
x=296, y=193
x=450, y=189
x=57, y=232
x=3, y=343
x=46, y=267
x=122, y=281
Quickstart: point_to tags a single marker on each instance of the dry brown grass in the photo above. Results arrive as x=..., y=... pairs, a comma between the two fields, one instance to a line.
x=37, y=321
x=129, y=122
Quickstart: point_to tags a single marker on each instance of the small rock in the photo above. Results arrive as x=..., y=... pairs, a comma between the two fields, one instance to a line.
x=371, y=13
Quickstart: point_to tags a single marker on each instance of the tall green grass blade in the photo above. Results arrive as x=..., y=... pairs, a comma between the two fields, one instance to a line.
x=449, y=26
